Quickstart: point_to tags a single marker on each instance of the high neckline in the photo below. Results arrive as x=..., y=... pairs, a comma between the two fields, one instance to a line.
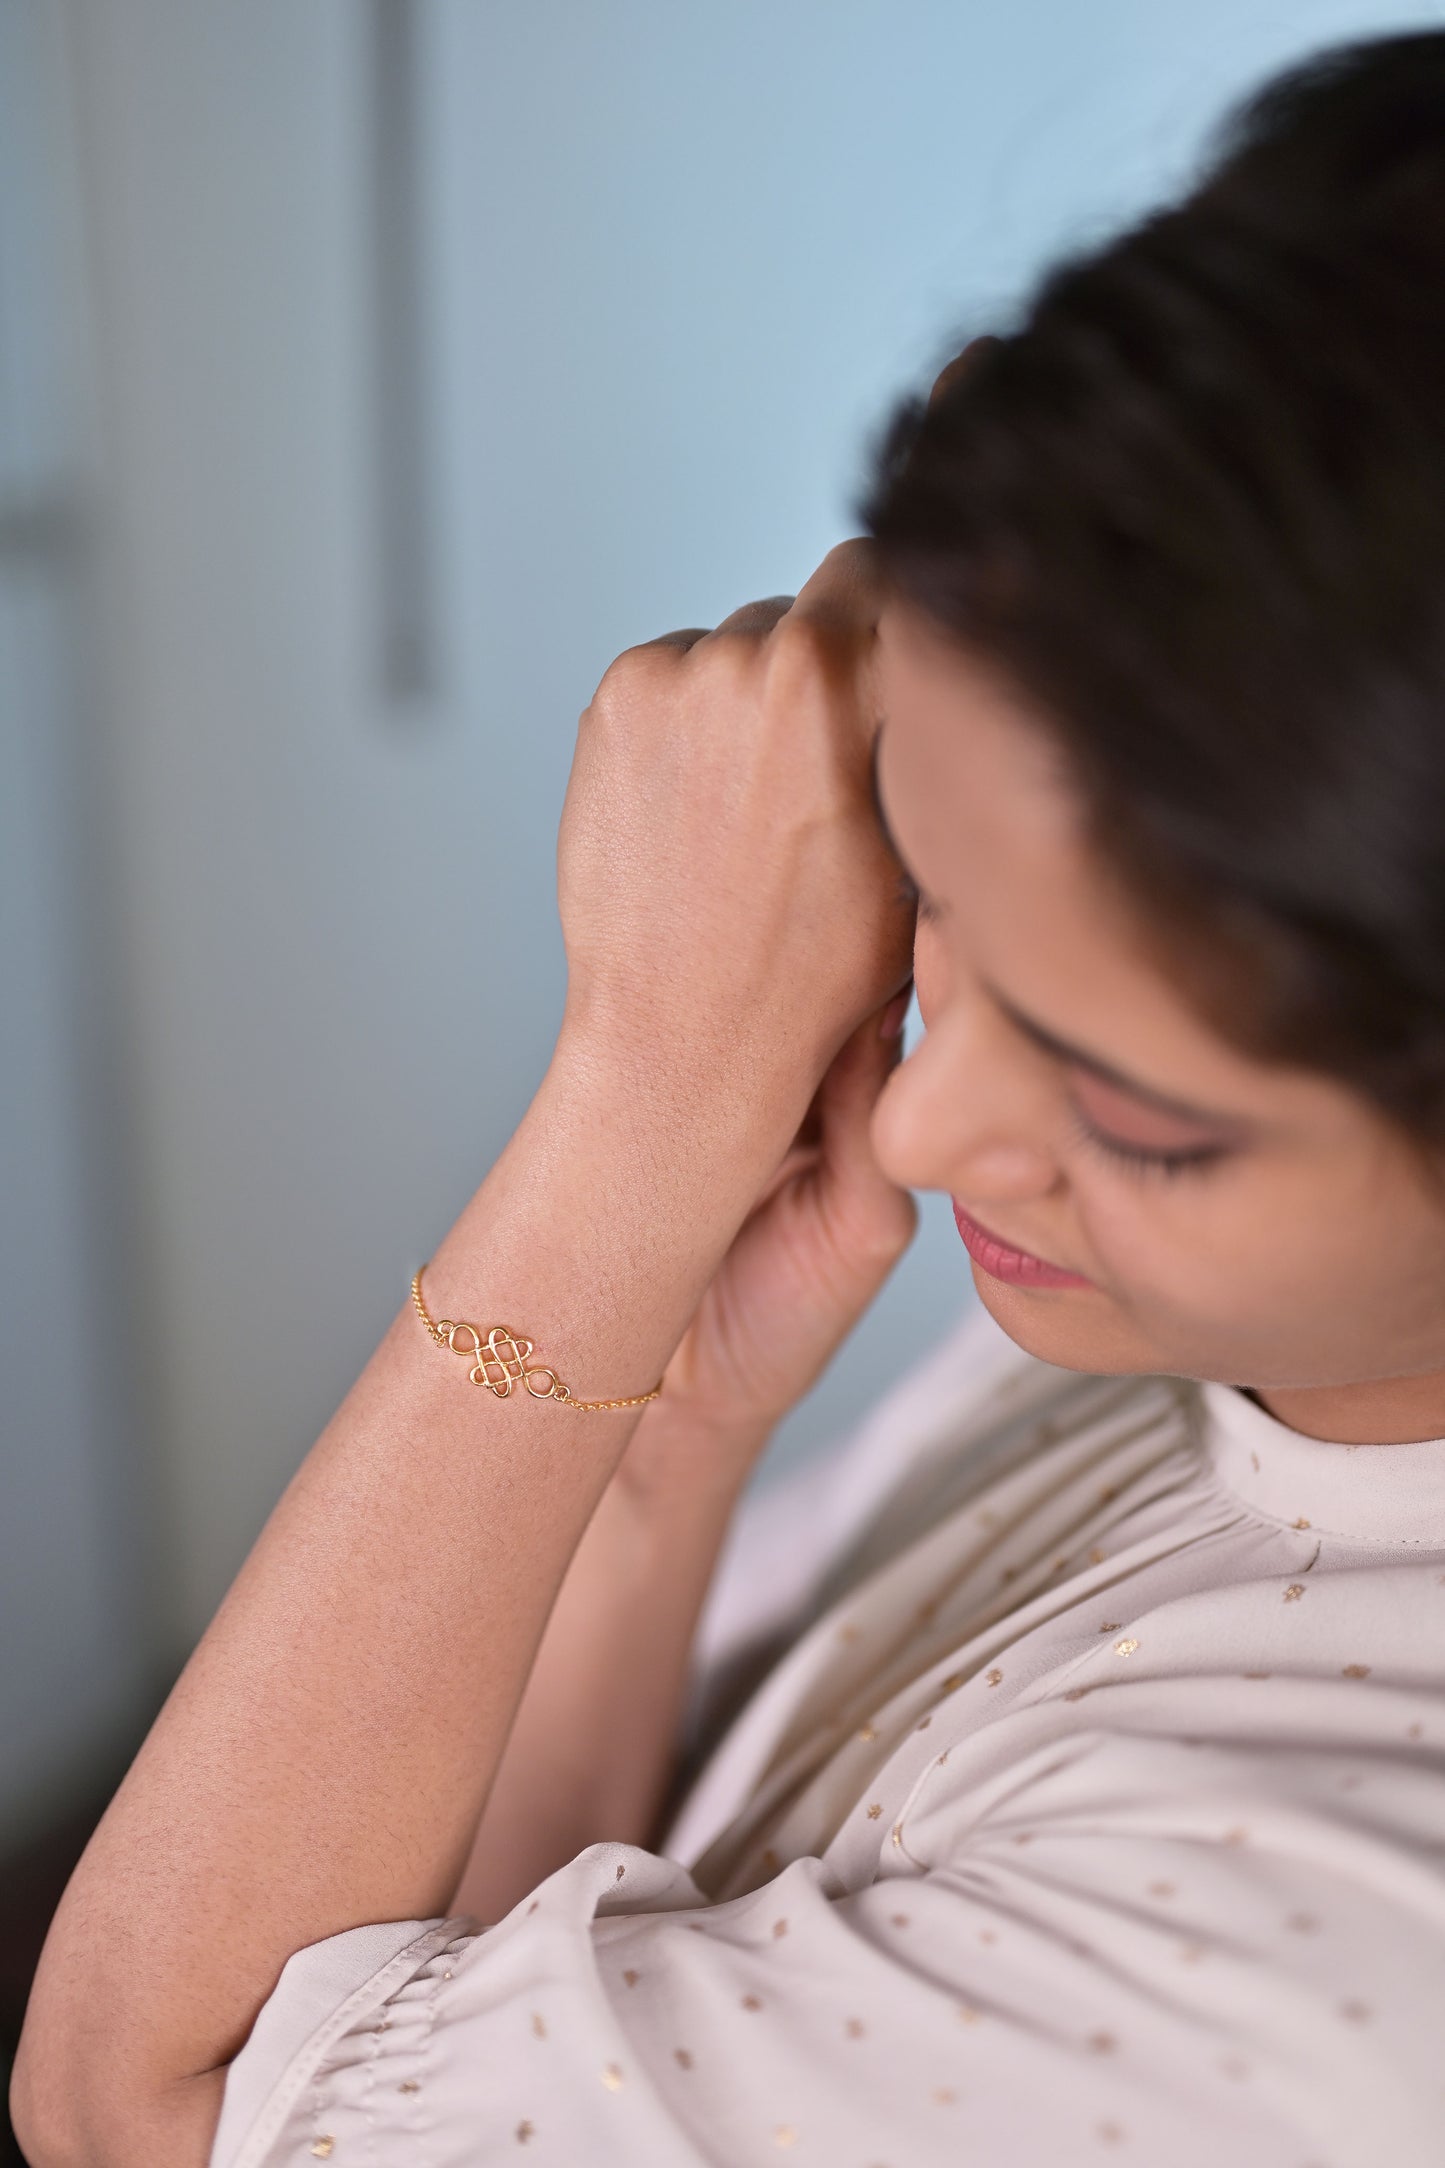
x=1377, y=1494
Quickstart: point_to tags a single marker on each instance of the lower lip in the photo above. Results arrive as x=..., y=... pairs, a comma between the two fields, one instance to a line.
x=1017, y=1267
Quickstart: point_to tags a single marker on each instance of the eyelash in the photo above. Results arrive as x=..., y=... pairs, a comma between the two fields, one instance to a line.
x=1193, y=1159
x=1136, y=1157
x=908, y=893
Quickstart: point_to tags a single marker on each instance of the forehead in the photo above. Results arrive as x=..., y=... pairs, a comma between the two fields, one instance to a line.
x=976, y=789
x=982, y=805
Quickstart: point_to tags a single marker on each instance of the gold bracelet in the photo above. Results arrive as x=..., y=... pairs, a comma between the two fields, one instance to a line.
x=499, y=1360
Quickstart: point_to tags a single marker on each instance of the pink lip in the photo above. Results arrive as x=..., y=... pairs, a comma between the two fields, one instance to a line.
x=1019, y=1267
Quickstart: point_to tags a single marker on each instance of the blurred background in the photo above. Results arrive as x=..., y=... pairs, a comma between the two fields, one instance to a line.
x=371, y=373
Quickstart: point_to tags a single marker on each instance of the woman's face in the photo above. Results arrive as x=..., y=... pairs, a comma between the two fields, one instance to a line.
x=1304, y=1256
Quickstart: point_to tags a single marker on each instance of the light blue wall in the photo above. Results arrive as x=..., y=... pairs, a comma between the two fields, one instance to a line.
x=680, y=260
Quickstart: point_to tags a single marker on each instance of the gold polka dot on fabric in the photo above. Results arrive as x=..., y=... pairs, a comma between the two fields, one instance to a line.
x=611, y=2076
x=1111, y=1625
x=875, y=1810
x=898, y=1919
x=995, y=1677
x=751, y=2002
x=952, y=1683
x=780, y=1927
x=1102, y=2043
x=1126, y=1647
x=865, y=1732
x=631, y=1977
x=1414, y=1731
x=1077, y=1693
x=1111, y=2133
x=855, y=2028
x=682, y=2058
x=944, y=2095
x=1355, y=1671
x=539, y=2025
x=923, y=1723
x=409, y=2085
x=620, y=1873
x=897, y=1833
x=525, y=2130
x=323, y=2148
x=1294, y=1592
x=1163, y=1889
x=785, y=2134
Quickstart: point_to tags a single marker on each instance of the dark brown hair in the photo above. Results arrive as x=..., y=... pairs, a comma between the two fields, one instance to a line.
x=1193, y=508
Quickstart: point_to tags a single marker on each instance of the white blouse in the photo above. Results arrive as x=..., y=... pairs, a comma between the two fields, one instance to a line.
x=1095, y=1809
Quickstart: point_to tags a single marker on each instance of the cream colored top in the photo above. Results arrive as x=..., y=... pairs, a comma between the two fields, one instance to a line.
x=1095, y=1811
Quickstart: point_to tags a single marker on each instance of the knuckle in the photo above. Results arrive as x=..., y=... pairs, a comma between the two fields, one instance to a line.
x=854, y=556
x=798, y=648
x=635, y=672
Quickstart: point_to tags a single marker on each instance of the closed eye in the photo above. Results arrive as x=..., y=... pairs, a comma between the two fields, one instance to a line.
x=909, y=892
x=1144, y=1159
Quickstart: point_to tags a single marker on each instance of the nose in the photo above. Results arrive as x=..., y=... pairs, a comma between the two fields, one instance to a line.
x=972, y=1110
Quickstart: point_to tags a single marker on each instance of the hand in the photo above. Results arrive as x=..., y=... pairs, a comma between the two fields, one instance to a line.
x=729, y=906
x=806, y=1263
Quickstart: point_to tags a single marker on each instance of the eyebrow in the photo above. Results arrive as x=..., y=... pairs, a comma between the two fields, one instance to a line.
x=1078, y=1057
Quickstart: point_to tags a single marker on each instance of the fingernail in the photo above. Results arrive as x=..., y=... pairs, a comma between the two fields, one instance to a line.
x=890, y=1023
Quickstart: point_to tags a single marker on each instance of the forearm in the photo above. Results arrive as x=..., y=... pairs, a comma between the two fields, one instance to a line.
x=325, y=1756
x=594, y=1744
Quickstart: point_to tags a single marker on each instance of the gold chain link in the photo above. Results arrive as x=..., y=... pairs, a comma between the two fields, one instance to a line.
x=499, y=1360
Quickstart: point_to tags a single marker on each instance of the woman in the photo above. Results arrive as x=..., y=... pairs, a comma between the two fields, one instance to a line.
x=1098, y=1803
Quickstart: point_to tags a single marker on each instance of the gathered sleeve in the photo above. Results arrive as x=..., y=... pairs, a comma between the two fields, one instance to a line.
x=1120, y=1947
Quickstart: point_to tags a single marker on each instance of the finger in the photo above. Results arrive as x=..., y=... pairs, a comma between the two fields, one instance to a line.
x=848, y=1096
x=847, y=587
x=687, y=637
x=755, y=617
x=953, y=372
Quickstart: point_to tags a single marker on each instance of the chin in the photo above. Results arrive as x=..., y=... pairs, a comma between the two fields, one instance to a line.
x=1075, y=1328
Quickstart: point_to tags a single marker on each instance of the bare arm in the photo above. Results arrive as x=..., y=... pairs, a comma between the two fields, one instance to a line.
x=324, y=1758
x=594, y=1744
x=326, y=1755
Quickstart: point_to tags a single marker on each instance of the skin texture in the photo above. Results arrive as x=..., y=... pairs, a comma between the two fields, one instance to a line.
x=710, y=1180
x=697, y=1147
x=1307, y=1261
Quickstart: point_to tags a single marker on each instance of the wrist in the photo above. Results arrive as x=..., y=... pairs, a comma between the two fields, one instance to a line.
x=712, y=1091
x=683, y=1461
